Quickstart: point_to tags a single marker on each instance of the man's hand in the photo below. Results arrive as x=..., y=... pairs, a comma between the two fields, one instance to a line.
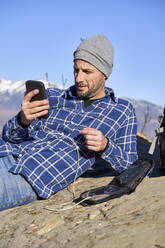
x=95, y=140
x=32, y=110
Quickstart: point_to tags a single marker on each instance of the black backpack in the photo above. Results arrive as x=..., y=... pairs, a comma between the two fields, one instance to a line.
x=160, y=140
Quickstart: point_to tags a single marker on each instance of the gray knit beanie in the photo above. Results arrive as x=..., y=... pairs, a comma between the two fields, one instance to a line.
x=98, y=51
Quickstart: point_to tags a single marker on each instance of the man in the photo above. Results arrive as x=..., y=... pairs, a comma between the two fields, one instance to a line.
x=39, y=157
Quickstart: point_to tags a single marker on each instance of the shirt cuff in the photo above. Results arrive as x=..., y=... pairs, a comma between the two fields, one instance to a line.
x=18, y=121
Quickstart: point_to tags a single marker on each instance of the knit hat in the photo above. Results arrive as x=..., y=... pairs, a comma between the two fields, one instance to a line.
x=98, y=51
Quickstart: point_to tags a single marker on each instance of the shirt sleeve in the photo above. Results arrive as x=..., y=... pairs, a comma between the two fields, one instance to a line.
x=122, y=151
x=13, y=132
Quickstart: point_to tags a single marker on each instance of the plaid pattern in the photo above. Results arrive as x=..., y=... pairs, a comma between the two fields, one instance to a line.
x=51, y=152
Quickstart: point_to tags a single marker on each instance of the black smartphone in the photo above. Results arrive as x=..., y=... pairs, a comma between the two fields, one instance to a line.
x=32, y=85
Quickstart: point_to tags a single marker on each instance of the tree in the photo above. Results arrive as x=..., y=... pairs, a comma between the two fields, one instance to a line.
x=64, y=81
x=46, y=75
x=147, y=118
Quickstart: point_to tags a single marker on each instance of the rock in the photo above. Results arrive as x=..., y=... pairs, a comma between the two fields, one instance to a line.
x=51, y=224
x=94, y=214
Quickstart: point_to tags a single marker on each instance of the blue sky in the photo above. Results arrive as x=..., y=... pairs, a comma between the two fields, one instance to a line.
x=39, y=36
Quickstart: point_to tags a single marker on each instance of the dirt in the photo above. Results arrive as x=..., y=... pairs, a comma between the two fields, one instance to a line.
x=136, y=220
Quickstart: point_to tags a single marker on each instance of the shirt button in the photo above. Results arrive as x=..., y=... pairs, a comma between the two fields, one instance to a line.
x=33, y=148
x=20, y=155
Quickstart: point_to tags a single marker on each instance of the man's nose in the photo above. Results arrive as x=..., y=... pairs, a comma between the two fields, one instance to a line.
x=79, y=77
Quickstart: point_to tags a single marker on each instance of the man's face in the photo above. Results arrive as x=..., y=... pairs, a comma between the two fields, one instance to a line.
x=89, y=81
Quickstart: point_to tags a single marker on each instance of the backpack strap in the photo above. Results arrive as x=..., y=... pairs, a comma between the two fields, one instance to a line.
x=155, y=141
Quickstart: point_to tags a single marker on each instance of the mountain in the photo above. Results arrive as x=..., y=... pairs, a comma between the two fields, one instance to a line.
x=147, y=115
x=11, y=95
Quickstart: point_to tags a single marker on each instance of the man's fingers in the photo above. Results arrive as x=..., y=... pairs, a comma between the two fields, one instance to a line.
x=92, y=137
x=39, y=103
x=34, y=109
x=28, y=97
x=95, y=140
x=30, y=94
x=38, y=109
x=91, y=143
x=37, y=115
x=35, y=105
x=89, y=131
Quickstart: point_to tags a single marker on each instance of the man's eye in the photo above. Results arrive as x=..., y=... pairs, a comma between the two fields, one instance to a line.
x=87, y=71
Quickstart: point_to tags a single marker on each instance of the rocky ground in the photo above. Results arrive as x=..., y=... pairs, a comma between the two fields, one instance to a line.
x=131, y=221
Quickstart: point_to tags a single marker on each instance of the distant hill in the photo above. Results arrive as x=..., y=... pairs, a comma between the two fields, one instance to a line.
x=151, y=111
x=11, y=95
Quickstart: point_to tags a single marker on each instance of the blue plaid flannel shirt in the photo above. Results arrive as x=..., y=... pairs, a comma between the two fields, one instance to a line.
x=51, y=152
